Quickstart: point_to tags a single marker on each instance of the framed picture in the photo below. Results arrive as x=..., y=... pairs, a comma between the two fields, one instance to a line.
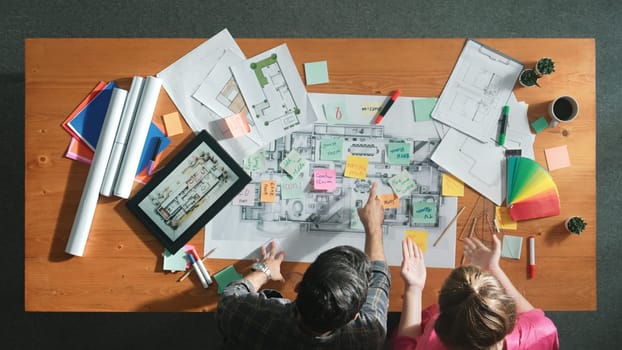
x=188, y=192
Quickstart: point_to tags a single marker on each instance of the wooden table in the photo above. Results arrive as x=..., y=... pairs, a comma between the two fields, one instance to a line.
x=122, y=266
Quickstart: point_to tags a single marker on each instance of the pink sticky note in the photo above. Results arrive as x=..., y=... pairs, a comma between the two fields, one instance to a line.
x=557, y=157
x=237, y=125
x=324, y=179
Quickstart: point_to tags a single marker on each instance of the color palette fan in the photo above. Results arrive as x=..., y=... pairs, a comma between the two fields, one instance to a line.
x=531, y=191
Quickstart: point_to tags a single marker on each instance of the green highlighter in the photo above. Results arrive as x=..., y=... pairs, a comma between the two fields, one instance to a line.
x=504, y=124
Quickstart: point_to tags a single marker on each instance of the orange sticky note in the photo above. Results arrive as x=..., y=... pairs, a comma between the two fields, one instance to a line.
x=389, y=200
x=172, y=123
x=452, y=187
x=502, y=214
x=237, y=125
x=268, y=191
x=356, y=167
x=420, y=238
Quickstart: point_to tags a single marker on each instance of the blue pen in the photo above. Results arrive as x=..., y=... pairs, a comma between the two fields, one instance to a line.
x=194, y=264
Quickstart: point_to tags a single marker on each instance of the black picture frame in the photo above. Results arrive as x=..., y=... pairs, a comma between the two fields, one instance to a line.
x=188, y=191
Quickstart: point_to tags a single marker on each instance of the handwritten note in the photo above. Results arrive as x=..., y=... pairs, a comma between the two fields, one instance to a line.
x=246, y=197
x=331, y=149
x=402, y=184
x=502, y=214
x=370, y=108
x=293, y=163
x=236, y=125
x=398, y=153
x=424, y=212
x=452, y=187
x=335, y=113
x=255, y=162
x=324, y=179
x=268, y=191
x=292, y=188
x=356, y=167
x=419, y=237
x=389, y=200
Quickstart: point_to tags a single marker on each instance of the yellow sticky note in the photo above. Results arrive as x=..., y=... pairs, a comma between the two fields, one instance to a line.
x=389, y=200
x=172, y=123
x=452, y=187
x=420, y=238
x=268, y=191
x=502, y=214
x=356, y=167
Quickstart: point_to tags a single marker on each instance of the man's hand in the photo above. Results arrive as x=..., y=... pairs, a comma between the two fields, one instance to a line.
x=273, y=260
x=413, y=267
x=482, y=256
x=372, y=214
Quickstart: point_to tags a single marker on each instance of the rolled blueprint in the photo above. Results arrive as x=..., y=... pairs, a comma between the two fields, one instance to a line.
x=120, y=141
x=138, y=136
x=88, y=201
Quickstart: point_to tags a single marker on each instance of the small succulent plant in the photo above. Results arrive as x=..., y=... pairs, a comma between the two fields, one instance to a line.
x=575, y=224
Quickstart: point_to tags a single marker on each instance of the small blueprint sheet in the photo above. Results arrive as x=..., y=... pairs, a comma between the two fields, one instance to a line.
x=306, y=221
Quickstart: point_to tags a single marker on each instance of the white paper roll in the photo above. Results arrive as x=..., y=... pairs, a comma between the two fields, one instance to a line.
x=88, y=201
x=138, y=136
x=118, y=148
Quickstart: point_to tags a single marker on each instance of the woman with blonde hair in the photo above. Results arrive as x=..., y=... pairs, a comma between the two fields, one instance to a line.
x=478, y=307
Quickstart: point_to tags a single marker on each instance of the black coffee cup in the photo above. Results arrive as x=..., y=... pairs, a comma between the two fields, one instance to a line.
x=563, y=109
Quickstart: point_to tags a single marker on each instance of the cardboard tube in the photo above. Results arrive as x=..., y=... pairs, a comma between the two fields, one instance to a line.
x=88, y=201
x=138, y=136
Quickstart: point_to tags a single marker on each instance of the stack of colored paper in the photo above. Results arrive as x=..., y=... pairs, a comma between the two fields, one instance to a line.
x=531, y=191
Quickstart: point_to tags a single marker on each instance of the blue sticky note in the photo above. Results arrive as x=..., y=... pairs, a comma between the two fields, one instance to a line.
x=316, y=72
x=423, y=108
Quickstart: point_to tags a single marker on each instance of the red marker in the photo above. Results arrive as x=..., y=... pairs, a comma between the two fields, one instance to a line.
x=386, y=107
x=532, y=257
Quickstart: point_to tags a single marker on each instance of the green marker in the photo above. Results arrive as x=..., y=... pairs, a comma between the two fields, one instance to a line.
x=504, y=124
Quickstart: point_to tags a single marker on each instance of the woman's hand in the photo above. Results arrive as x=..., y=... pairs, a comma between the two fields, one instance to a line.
x=413, y=267
x=482, y=256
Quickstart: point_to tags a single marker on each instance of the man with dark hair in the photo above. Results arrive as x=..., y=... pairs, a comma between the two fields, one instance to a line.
x=342, y=299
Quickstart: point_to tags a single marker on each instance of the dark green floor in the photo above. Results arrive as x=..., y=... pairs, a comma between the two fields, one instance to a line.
x=202, y=18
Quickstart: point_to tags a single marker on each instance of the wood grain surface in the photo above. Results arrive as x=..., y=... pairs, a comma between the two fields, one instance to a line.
x=122, y=266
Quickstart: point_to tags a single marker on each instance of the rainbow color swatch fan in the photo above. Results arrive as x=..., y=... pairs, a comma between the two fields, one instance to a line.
x=531, y=191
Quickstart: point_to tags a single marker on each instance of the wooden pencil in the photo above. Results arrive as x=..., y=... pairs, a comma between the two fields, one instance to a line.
x=189, y=271
x=447, y=227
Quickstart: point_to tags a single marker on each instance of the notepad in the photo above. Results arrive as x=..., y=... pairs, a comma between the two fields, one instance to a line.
x=268, y=191
x=419, y=237
x=225, y=276
x=316, y=72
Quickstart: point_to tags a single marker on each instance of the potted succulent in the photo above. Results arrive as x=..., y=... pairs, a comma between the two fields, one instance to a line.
x=544, y=66
x=528, y=77
x=575, y=224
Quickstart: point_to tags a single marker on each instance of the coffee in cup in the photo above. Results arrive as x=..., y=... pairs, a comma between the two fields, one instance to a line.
x=563, y=109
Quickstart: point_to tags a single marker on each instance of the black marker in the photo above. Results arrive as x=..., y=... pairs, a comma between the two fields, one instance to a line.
x=153, y=157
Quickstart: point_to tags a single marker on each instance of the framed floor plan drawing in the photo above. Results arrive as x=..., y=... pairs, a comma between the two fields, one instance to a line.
x=190, y=190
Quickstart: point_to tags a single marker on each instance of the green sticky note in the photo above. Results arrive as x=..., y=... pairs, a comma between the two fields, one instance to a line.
x=424, y=212
x=335, y=113
x=255, y=162
x=292, y=188
x=398, y=153
x=423, y=108
x=293, y=163
x=540, y=124
x=225, y=276
x=331, y=149
x=355, y=220
x=402, y=184
x=316, y=72
x=511, y=246
x=175, y=262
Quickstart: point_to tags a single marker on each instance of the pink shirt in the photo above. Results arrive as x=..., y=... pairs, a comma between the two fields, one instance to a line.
x=533, y=331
